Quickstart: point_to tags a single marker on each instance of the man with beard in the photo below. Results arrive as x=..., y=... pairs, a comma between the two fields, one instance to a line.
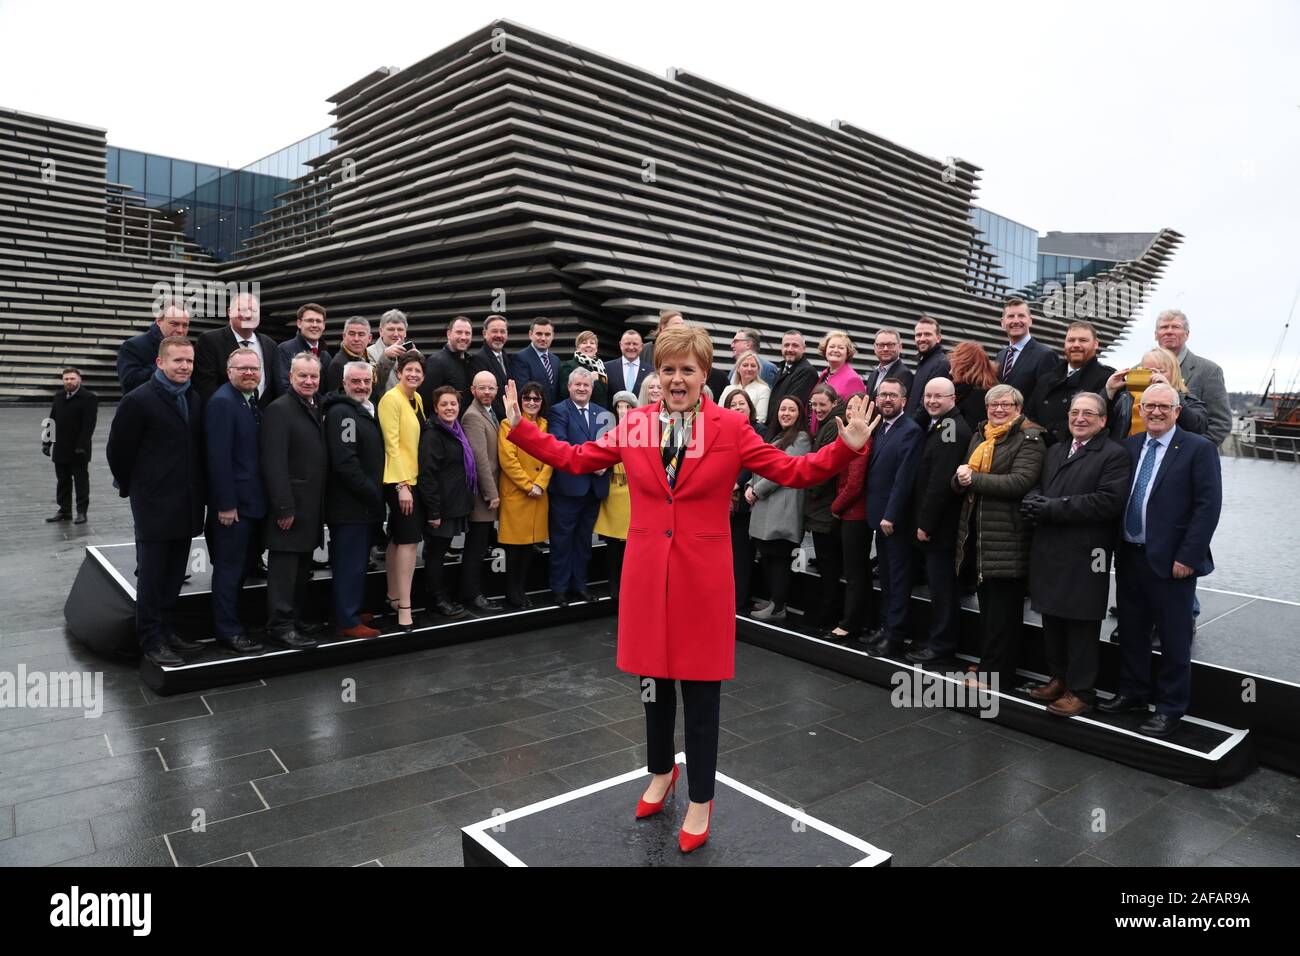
x=931, y=363
x=1079, y=371
x=794, y=379
x=492, y=358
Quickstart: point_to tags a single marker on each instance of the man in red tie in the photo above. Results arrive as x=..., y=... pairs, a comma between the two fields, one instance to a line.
x=311, y=333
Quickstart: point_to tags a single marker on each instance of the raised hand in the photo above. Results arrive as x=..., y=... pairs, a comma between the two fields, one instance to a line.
x=862, y=421
x=511, y=401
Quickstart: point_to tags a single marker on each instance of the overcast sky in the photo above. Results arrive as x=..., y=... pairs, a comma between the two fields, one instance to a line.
x=1097, y=116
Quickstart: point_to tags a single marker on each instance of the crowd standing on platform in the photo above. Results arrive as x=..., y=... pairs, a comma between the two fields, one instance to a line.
x=1022, y=475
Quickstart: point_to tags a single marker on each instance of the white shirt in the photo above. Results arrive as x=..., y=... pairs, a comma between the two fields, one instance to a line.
x=1159, y=451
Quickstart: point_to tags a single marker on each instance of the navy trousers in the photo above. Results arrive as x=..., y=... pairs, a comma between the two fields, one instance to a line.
x=349, y=554
x=941, y=575
x=1144, y=599
x=160, y=572
x=571, y=522
x=230, y=563
x=702, y=706
x=894, y=562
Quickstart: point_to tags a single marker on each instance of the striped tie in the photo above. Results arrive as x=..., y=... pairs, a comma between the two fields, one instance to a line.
x=1009, y=361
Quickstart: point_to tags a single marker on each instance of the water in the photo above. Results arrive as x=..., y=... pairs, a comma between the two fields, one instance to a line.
x=1257, y=544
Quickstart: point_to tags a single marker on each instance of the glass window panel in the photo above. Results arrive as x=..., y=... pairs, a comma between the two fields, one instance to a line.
x=183, y=175
x=131, y=169
x=208, y=174
x=227, y=190
x=246, y=189
x=158, y=176
x=111, y=172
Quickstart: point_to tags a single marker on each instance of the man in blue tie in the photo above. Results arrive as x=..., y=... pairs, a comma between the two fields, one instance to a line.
x=1171, y=514
x=575, y=499
x=536, y=363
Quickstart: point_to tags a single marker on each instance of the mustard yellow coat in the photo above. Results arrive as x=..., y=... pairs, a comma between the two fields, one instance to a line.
x=616, y=508
x=522, y=520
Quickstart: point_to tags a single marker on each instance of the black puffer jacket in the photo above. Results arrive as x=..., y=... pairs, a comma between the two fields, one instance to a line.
x=444, y=489
x=818, y=499
x=990, y=516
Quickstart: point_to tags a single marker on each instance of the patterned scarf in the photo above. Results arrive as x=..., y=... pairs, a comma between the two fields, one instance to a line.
x=593, y=365
x=982, y=458
x=471, y=472
x=676, y=436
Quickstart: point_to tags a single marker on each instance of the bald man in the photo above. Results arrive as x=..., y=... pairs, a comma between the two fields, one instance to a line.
x=480, y=424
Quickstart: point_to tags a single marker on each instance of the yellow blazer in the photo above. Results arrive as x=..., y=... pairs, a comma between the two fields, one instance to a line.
x=522, y=520
x=401, y=428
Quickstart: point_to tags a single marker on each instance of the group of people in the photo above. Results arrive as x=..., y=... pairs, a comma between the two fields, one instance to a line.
x=1021, y=475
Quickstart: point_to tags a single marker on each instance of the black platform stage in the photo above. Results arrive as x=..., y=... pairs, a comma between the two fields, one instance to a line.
x=595, y=826
x=1238, y=715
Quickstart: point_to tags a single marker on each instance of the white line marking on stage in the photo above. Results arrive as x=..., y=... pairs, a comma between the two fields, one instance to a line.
x=277, y=759
x=170, y=852
x=109, y=744
x=265, y=805
x=158, y=751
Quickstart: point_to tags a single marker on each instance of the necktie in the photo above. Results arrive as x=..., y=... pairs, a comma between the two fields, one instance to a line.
x=586, y=422
x=245, y=343
x=1075, y=446
x=1009, y=361
x=672, y=451
x=501, y=360
x=550, y=372
x=1133, y=518
x=492, y=417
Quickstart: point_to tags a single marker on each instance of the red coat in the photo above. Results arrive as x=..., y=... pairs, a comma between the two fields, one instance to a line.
x=677, y=606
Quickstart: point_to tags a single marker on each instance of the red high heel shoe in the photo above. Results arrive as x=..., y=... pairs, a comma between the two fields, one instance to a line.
x=644, y=808
x=693, y=841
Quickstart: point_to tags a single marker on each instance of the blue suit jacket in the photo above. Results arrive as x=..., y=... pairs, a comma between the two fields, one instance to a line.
x=891, y=471
x=526, y=366
x=137, y=358
x=565, y=424
x=232, y=449
x=284, y=353
x=1183, y=508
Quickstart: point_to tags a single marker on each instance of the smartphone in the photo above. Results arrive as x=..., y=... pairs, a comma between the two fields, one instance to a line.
x=408, y=345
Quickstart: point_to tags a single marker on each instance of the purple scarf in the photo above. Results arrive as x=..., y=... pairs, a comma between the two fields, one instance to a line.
x=471, y=473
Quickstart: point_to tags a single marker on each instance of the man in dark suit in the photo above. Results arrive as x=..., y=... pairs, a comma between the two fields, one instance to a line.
x=71, y=426
x=1081, y=493
x=492, y=358
x=137, y=357
x=936, y=510
x=310, y=338
x=1024, y=359
x=575, y=499
x=354, y=494
x=294, y=466
x=891, y=470
x=888, y=346
x=794, y=379
x=748, y=340
x=1171, y=514
x=155, y=452
x=630, y=369
x=1079, y=371
x=212, y=353
x=450, y=365
x=355, y=348
x=236, y=498
x=931, y=363
x=536, y=363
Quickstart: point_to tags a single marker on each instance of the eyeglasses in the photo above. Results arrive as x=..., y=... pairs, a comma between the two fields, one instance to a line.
x=1002, y=405
x=527, y=399
x=246, y=369
x=1157, y=408
x=1087, y=415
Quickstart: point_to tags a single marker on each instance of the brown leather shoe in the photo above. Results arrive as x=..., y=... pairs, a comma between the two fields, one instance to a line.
x=359, y=631
x=1067, y=705
x=1052, y=690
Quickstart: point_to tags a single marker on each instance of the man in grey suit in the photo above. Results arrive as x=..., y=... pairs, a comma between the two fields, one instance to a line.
x=1203, y=377
x=481, y=424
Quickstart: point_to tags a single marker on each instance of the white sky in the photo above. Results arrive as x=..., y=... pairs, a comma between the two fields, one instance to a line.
x=1085, y=116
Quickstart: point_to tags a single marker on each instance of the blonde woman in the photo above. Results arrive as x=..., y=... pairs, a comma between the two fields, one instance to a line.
x=748, y=378
x=651, y=391
x=586, y=345
x=401, y=419
x=1124, y=391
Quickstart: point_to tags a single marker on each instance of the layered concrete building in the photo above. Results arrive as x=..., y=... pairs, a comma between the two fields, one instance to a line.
x=513, y=172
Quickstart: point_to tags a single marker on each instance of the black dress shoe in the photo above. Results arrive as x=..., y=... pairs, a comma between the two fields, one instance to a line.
x=1160, y=725
x=243, y=644
x=80, y=519
x=884, y=647
x=294, y=640
x=308, y=628
x=371, y=567
x=481, y=603
x=1120, y=704
x=586, y=596
x=449, y=608
x=523, y=604
x=258, y=570
x=178, y=643
x=560, y=599
x=164, y=656
x=925, y=655
x=61, y=516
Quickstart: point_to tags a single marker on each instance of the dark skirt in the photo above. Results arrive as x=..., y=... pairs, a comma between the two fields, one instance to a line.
x=404, y=529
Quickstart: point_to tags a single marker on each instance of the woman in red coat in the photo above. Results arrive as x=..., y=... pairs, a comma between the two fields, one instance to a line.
x=677, y=602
